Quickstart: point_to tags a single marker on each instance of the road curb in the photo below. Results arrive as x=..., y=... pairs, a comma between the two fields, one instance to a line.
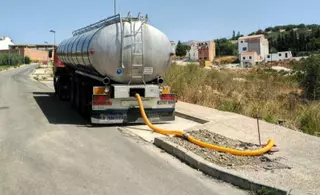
x=39, y=81
x=191, y=118
x=213, y=170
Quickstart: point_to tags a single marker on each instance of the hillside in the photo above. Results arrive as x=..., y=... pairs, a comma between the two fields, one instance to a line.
x=300, y=39
x=190, y=42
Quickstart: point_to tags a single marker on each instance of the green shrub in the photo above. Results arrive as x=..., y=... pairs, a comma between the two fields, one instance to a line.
x=309, y=77
x=310, y=119
x=228, y=105
x=27, y=60
x=12, y=59
x=266, y=191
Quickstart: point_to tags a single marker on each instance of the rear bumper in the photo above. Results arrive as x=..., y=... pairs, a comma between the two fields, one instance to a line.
x=132, y=115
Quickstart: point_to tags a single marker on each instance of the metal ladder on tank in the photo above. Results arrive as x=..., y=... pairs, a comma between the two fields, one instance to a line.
x=137, y=69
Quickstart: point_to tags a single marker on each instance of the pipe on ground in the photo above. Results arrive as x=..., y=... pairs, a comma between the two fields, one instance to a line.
x=182, y=134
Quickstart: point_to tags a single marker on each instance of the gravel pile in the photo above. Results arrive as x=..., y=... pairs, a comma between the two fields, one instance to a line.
x=225, y=159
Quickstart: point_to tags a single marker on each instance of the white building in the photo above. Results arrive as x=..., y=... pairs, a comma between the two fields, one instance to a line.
x=248, y=58
x=193, y=53
x=284, y=55
x=5, y=42
x=254, y=43
x=173, y=46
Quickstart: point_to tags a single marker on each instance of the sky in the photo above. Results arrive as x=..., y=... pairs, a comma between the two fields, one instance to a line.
x=29, y=21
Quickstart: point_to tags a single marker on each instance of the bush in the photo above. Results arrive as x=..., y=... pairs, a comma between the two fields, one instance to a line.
x=309, y=121
x=35, y=61
x=249, y=92
x=27, y=60
x=309, y=77
x=12, y=59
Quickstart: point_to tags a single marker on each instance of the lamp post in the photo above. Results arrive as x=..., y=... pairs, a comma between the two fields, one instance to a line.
x=54, y=41
x=54, y=36
x=47, y=51
x=115, y=6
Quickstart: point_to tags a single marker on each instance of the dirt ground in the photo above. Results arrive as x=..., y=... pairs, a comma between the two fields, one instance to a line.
x=225, y=159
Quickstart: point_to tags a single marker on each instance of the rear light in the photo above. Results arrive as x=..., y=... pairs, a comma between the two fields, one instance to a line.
x=101, y=90
x=165, y=90
x=101, y=100
x=168, y=97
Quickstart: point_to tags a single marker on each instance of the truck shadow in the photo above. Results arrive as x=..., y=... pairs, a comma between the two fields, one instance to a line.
x=56, y=111
x=61, y=112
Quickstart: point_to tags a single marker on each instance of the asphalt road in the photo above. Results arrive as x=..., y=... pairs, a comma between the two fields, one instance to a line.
x=47, y=148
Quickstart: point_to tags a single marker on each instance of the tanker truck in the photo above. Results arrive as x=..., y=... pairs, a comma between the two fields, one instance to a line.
x=103, y=65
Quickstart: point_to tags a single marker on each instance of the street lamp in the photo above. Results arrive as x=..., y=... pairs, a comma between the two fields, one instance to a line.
x=54, y=36
x=47, y=51
x=54, y=41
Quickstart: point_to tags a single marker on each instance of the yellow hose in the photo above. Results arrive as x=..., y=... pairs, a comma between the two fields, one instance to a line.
x=180, y=133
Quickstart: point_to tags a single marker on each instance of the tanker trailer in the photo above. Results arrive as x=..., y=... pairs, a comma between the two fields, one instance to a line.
x=103, y=65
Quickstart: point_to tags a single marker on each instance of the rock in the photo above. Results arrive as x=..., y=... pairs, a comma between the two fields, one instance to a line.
x=221, y=158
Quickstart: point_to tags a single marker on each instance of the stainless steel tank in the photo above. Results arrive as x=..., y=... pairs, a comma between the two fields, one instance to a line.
x=124, y=49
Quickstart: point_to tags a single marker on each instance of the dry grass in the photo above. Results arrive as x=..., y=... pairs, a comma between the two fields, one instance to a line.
x=225, y=59
x=4, y=67
x=259, y=91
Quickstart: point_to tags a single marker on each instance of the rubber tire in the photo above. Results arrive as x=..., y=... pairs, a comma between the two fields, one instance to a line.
x=55, y=86
x=77, y=96
x=72, y=93
x=85, y=109
x=61, y=92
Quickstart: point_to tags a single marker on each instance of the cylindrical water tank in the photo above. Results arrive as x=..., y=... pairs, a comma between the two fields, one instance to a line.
x=120, y=57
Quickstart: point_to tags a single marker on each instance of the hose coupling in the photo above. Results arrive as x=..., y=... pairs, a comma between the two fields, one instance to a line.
x=185, y=136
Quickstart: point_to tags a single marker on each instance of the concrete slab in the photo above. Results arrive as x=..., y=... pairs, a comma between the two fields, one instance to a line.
x=297, y=150
x=148, y=135
x=202, y=112
x=215, y=171
x=48, y=83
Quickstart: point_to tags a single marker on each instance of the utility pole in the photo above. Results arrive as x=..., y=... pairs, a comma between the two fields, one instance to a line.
x=54, y=42
x=47, y=52
x=54, y=36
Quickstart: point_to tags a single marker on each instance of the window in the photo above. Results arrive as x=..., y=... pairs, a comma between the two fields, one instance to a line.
x=243, y=57
x=250, y=57
x=200, y=58
x=280, y=54
x=244, y=49
x=205, y=58
x=241, y=41
x=268, y=56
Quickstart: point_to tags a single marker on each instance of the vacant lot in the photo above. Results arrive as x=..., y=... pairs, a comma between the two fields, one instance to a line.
x=259, y=91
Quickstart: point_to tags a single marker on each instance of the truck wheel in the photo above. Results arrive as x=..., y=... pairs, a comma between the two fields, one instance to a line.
x=77, y=95
x=61, y=92
x=72, y=92
x=55, y=85
x=85, y=112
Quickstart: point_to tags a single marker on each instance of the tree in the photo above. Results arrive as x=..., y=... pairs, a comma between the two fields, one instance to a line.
x=268, y=29
x=224, y=47
x=234, y=35
x=186, y=47
x=238, y=34
x=259, y=32
x=309, y=77
x=181, y=49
